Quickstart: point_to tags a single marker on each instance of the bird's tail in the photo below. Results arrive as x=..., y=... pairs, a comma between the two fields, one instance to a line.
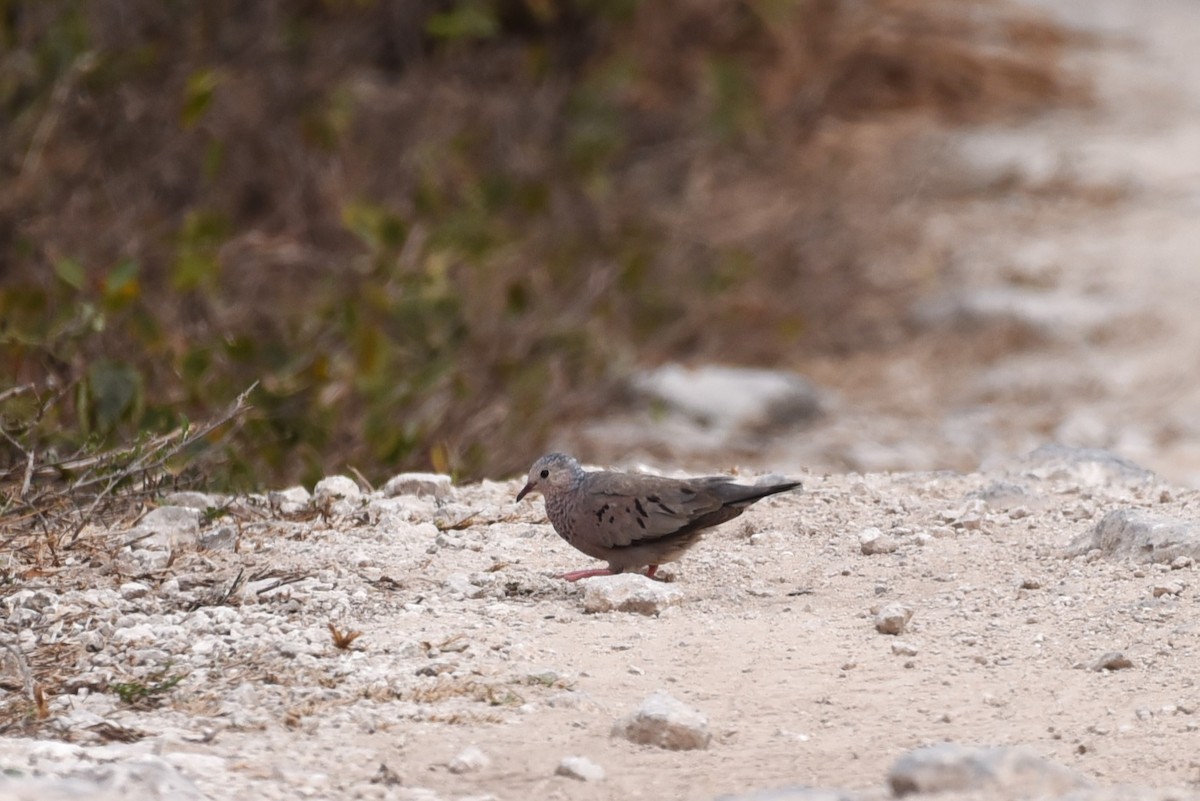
x=743, y=495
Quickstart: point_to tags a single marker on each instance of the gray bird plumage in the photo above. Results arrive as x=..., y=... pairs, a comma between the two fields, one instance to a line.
x=631, y=520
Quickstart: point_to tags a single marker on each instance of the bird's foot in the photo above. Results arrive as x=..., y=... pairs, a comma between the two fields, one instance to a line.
x=652, y=574
x=576, y=575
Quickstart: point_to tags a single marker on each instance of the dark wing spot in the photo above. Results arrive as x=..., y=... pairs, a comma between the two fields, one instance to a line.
x=610, y=519
x=652, y=498
x=664, y=507
x=640, y=523
x=641, y=510
x=600, y=512
x=687, y=491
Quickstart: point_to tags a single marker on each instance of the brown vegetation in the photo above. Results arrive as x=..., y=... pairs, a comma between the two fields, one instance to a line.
x=431, y=230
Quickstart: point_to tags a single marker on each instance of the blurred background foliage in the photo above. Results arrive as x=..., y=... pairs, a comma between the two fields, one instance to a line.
x=435, y=229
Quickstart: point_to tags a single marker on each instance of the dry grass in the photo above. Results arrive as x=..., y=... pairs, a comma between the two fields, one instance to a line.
x=432, y=250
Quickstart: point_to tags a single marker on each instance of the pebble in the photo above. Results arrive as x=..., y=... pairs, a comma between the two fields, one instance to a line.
x=901, y=648
x=1113, y=660
x=581, y=768
x=1162, y=588
x=291, y=500
x=471, y=759
x=434, y=485
x=1140, y=537
x=629, y=592
x=950, y=767
x=132, y=590
x=666, y=722
x=164, y=528
x=337, y=488
x=872, y=541
x=893, y=618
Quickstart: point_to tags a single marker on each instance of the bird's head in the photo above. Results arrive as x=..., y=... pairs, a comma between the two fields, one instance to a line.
x=553, y=472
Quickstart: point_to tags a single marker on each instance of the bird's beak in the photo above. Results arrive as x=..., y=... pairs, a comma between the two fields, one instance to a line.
x=524, y=491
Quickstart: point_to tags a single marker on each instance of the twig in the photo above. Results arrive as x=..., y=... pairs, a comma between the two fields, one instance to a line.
x=58, y=99
x=26, y=673
x=8, y=393
x=155, y=458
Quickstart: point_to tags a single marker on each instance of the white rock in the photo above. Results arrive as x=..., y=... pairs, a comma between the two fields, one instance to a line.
x=435, y=485
x=334, y=488
x=1141, y=537
x=731, y=397
x=581, y=768
x=469, y=760
x=666, y=722
x=901, y=648
x=290, y=501
x=222, y=538
x=1162, y=588
x=134, y=589
x=872, y=541
x=893, y=618
x=949, y=767
x=628, y=592
x=193, y=500
x=167, y=527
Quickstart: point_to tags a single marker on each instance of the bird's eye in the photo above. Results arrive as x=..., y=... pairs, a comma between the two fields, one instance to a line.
x=544, y=474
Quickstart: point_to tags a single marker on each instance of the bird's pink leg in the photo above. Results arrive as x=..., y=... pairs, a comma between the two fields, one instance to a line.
x=576, y=575
x=650, y=571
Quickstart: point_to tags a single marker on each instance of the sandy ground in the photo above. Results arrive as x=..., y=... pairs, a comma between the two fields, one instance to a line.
x=469, y=639
x=773, y=637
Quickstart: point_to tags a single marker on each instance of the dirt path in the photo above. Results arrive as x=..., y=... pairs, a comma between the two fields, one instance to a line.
x=1066, y=304
x=1086, y=256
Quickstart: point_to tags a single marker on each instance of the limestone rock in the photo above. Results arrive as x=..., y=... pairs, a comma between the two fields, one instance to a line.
x=581, y=768
x=1141, y=537
x=893, y=618
x=629, y=592
x=666, y=722
x=434, y=485
x=950, y=767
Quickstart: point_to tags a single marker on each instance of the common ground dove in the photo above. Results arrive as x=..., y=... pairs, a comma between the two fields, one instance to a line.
x=632, y=520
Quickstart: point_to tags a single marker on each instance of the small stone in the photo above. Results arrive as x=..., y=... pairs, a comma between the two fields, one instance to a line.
x=901, y=648
x=950, y=767
x=469, y=760
x=223, y=538
x=629, y=592
x=581, y=768
x=337, y=488
x=1141, y=537
x=193, y=500
x=131, y=590
x=1031, y=583
x=1162, y=588
x=167, y=527
x=435, y=485
x=461, y=584
x=290, y=501
x=1113, y=660
x=1181, y=562
x=893, y=618
x=873, y=541
x=666, y=722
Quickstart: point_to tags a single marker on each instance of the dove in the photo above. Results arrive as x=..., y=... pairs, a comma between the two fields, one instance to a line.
x=632, y=520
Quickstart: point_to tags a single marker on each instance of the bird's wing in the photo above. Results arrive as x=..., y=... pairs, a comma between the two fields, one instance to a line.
x=621, y=509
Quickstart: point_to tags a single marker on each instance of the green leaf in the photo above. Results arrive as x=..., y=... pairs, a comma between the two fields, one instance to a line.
x=198, y=95
x=121, y=284
x=71, y=272
x=469, y=20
